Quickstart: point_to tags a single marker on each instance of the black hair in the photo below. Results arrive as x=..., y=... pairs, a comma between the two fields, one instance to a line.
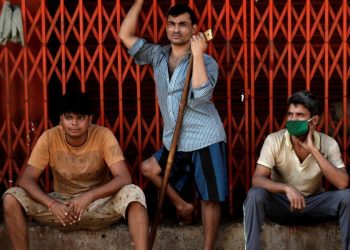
x=307, y=99
x=179, y=9
x=77, y=103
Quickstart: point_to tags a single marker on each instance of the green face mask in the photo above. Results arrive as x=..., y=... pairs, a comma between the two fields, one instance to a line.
x=298, y=128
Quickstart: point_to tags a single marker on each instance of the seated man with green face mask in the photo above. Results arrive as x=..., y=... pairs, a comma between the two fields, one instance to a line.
x=287, y=183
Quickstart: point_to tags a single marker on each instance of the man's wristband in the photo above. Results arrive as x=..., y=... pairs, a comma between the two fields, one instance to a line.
x=50, y=204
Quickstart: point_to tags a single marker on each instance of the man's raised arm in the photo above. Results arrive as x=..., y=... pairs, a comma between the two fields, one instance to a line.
x=128, y=27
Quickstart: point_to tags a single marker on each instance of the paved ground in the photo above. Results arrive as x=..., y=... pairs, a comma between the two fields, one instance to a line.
x=274, y=237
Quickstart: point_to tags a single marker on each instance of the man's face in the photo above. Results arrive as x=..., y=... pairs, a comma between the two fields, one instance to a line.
x=75, y=125
x=180, y=29
x=298, y=112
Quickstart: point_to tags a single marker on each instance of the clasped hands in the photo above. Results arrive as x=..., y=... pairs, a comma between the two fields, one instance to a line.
x=72, y=211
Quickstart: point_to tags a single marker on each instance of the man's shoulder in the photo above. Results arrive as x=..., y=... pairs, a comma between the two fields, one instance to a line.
x=99, y=129
x=50, y=137
x=142, y=43
x=278, y=135
x=326, y=139
x=165, y=48
x=54, y=131
x=324, y=136
x=209, y=58
x=100, y=132
x=276, y=140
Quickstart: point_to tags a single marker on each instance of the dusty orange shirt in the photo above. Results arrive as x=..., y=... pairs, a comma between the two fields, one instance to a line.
x=77, y=169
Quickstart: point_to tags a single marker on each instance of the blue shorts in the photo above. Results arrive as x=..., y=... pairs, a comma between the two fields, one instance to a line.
x=207, y=166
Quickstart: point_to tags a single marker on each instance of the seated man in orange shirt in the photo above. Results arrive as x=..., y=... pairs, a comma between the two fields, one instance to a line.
x=92, y=184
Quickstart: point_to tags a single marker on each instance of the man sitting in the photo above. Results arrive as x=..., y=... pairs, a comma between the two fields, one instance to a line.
x=297, y=158
x=92, y=184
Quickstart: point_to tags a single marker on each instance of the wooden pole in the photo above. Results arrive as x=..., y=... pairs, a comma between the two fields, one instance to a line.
x=172, y=150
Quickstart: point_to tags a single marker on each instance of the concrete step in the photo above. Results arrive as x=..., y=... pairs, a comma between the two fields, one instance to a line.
x=321, y=237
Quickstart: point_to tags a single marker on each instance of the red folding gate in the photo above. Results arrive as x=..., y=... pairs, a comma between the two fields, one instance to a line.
x=265, y=50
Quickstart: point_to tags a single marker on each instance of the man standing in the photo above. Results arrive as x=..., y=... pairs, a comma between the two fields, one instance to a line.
x=201, y=147
x=92, y=184
x=297, y=158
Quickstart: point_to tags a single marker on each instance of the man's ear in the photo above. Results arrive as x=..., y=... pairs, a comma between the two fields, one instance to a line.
x=194, y=28
x=315, y=120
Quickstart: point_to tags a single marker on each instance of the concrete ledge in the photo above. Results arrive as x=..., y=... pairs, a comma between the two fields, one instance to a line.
x=322, y=236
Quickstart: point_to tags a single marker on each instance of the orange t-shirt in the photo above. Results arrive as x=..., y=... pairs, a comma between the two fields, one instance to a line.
x=77, y=169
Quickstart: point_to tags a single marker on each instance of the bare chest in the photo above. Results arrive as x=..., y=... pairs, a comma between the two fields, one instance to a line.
x=301, y=153
x=173, y=63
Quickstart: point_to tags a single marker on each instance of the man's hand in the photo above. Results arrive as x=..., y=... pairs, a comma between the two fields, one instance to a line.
x=198, y=44
x=62, y=213
x=308, y=143
x=78, y=205
x=297, y=200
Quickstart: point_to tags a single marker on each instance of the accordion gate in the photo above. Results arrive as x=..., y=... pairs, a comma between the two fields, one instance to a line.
x=265, y=50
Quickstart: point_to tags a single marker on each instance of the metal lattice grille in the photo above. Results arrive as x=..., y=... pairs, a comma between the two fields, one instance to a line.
x=265, y=49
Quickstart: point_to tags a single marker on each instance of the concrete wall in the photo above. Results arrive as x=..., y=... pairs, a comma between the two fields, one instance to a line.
x=274, y=237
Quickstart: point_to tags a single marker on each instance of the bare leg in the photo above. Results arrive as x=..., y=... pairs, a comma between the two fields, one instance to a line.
x=151, y=170
x=16, y=223
x=211, y=213
x=138, y=225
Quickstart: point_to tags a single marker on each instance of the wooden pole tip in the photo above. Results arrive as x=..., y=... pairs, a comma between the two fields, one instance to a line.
x=208, y=35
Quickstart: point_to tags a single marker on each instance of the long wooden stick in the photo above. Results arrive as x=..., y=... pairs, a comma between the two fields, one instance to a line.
x=172, y=150
x=171, y=153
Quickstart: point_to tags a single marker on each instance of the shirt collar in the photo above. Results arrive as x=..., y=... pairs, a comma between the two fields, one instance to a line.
x=167, y=49
x=317, y=140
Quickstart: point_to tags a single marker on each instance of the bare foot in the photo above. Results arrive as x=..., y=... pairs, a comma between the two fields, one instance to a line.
x=185, y=214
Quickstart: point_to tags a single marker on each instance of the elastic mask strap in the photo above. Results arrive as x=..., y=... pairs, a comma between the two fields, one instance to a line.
x=310, y=119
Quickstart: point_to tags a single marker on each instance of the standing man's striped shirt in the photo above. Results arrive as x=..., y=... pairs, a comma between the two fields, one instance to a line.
x=201, y=125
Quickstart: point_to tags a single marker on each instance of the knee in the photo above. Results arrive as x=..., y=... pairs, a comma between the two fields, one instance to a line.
x=210, y=204
x=135, y=209
x=344, y=196
x=210, y=207
x=147, y=168
x=10, y=203
x=257, y=195
x=137, y=213
x=136, y=205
